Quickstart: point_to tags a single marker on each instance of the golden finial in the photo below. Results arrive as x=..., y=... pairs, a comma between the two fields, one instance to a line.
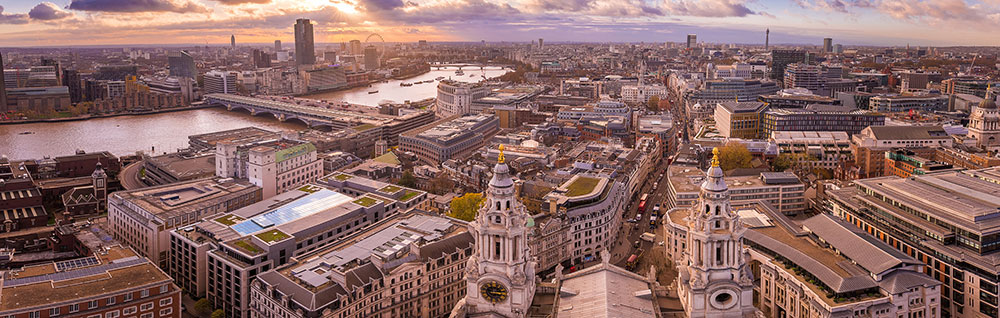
x=715, y=157
x=500, y=158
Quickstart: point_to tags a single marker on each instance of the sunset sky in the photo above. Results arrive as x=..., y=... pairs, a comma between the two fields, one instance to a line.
x=865, y=22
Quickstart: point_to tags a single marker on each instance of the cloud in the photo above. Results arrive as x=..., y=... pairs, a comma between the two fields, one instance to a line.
x=707, y=8
x=179, y=6
x=235, y=2
x=14, y=18
x=450, y=11
x=48, y=11
x=383, y=4
x=623, y=8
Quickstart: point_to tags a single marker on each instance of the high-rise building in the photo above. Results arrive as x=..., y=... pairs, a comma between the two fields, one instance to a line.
x=305, y=52
x=181, y=64
x=827, y=45
x=692, y=41
x=232, y=40
x=371, y=58
x=3, y=87
x=261, y=59
x=277, y=45
x=355, y=47
x=541, y=43
x=781, y=58
x=71, y=78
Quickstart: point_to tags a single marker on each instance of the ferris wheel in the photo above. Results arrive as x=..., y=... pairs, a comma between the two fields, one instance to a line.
x=378, y=41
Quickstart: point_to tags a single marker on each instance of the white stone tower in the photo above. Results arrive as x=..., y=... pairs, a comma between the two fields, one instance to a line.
x=984, y=122
x=500, y=275
x=715, y=280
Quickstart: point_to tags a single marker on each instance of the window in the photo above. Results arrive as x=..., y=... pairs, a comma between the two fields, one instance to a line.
x=166, y=301
x=112, y=314
x=145, y=293
x=129, y=310
x=34, y=314
x=53, y=311
x=167, y=311
x=127, y=297
x=146, y=306
x=92, y=305
x=164, y=288
x=111, y=300
x=146, y=315
x=74, y=307
x=94, y=316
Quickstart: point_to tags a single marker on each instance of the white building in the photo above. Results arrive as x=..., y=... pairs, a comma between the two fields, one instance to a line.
x=740, y=70
x=276, y=167
x=455, y=98
x=641, y=93
x=222, y=82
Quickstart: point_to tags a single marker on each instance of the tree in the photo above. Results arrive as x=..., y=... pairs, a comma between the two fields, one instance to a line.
x=786, y=161
x=734, y=155
x=441, y=184
x=218, y=313
x=653, y=103
x=465, y=207
x=408, y=180
x=203, y=307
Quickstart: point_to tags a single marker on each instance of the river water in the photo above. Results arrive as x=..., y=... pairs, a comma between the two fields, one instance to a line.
x=167, y=132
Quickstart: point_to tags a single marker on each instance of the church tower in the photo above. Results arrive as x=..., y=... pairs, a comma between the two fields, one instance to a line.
x=500, y=274
x=99, y=180
x=984, y=123
x=715, y=280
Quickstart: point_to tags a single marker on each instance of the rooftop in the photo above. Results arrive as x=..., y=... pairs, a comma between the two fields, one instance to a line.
x=302, y=207
x=117, y=269
x=742, y=107
x=183, y=197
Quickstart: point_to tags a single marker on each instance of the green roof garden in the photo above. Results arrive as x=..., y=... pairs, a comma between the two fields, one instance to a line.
x=390, y=189
x=365, y=201
x=408, y=195
x=229, y=219
x=582, y=185
x=364, y=127
x=270, y=236
x=343, y=177
x=248, y=247
x=309, y=188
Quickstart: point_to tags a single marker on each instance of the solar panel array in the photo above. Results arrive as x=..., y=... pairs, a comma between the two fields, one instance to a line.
x=308, y=205
x=77, y=263
x=83, y=272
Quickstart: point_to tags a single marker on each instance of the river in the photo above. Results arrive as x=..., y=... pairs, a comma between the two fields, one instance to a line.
x=167, y=132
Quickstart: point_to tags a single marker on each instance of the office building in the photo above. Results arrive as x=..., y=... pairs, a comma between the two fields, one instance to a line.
x=21, y=201
x=115, y=72
x=869, y=146
x=38, y=99
x=371, y=58
x=305, y=52
x=782, y=190
x=71, y=78
x=277, y=45
x=901, y=103
x=232, y=41
x=637, y=94
x=692, y=41
x=905, y=163
x=3, y=87
x=799, y=98
x=589, y=209
x=541, y=43
x=220, y=82
x=947, y=220
x=325, y=78
x=819, y=118
x=455, y=98
x=827, y=45
x=143, y=218
x=423, y=278
x=114, y=282
x=917, y=81
x=782, y=58
x=754, y=70
x=822, y=80
x=456, y=137
x=817, y=149
x=275, y=166
x=731, y=89
x=739, y=119
x=219, y=255
x=261, y=59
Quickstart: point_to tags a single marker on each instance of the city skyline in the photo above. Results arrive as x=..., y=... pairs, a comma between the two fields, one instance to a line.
x=201, y=22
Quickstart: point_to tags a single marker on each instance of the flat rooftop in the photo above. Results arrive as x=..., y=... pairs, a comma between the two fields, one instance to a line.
x=182, y=165
x=686, y=178
x=179, y=198
x=238, y=135
x=445, y=131
x=967, y=199
x=303, y=207
x=810, y=137
x=38, y=285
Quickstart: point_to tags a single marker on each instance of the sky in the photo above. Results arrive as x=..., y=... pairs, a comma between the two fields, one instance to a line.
x=26, y=23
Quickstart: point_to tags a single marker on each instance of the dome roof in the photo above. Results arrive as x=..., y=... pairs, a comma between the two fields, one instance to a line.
x=988, y=103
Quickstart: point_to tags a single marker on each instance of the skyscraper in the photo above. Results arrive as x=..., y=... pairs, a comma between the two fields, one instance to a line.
x=232, y=40
x=305, y=52
x=781, y=58
x=541, y=42
x=692, y=41
x=277, y=45
x=827, y=45
x=3, y=87
x=355, y=47
x=181, y=64
x=767, y=38
x=371, y=58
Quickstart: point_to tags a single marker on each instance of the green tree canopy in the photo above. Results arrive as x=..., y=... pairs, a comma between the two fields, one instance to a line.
x=203, y=307
x=218, y=313
x=408, y=180
x=734, y=155
x=653, y=103
x=465, y=207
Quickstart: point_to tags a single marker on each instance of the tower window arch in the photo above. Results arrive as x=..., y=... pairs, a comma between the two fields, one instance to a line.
x=508, y=204
x=707, y=209
x=498, y=205
x=717, y=209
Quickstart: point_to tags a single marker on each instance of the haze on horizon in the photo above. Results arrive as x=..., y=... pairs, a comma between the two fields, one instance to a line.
x=26, y=23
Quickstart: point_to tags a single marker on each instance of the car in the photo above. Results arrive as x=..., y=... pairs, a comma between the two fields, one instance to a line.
x=636, y=244
x=632, y=221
